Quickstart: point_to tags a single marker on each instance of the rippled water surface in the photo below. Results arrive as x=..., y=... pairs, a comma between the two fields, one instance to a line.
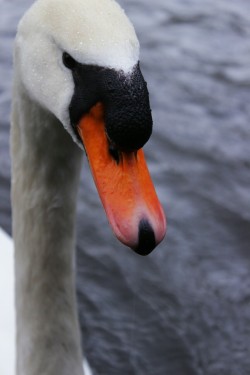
x=185, y=309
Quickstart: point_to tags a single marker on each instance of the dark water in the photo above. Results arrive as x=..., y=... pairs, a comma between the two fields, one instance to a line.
x=185, y=309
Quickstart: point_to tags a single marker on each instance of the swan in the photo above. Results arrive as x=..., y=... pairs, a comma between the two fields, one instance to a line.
x=77, y=87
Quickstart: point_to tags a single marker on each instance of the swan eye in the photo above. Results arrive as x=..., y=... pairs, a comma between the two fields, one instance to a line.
x=68, y=61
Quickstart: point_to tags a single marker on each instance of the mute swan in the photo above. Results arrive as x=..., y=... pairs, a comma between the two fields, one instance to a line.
x=76, y=76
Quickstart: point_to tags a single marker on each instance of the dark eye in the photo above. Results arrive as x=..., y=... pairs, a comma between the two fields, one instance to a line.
x=68, y=61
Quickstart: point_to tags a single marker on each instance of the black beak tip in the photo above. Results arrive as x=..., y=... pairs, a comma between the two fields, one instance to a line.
x=146, y=238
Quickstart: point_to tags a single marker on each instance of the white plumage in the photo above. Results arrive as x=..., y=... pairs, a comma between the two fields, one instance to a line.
x=45, y=170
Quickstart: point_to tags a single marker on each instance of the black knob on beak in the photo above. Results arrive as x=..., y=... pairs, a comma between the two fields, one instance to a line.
x=125, y=97
x=127, y=110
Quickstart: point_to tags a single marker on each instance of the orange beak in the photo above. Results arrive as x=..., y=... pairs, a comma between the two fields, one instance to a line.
x=125, y=187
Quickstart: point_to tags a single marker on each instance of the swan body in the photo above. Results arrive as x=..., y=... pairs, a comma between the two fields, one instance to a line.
x=7, y=313
x=75, y=69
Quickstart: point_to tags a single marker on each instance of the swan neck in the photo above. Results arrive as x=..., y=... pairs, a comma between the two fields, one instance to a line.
x=45, y=173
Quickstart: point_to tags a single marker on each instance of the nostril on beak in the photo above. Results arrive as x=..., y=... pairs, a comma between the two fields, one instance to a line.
x=146, y=238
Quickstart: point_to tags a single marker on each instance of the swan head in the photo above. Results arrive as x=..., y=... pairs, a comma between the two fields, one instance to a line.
x=79, y=59
x=93, y=33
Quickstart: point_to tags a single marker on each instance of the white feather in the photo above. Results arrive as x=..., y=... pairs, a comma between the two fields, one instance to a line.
x=7, y=311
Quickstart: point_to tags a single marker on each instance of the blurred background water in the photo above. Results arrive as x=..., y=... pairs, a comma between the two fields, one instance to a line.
x=185, y=309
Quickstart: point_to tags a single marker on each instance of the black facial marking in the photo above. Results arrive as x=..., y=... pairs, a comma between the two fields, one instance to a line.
x=68, y=61
x=127, y=113
x=114, y=152
x=86, y=93
x=146, y=238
